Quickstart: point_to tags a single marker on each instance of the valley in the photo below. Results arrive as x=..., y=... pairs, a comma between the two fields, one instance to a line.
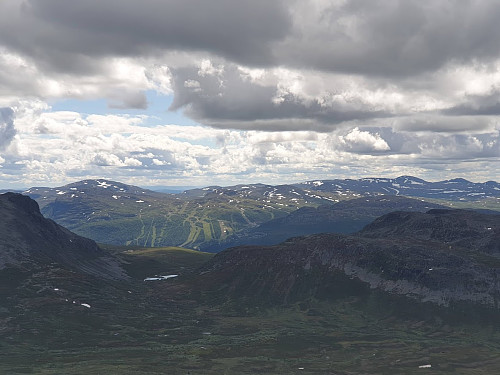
x=404, y=286
x=114, y=213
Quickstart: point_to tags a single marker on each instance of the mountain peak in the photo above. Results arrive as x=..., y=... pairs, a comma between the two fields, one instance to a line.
x=460, y=181
x=21, y=203
x=29, y=241
x=410, y=179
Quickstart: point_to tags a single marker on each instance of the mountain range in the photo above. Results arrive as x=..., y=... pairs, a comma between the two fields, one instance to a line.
x=115, y=213
x=457, y=189
x=214, y=217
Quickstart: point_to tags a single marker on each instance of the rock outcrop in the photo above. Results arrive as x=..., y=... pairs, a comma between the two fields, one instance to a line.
x=28, y=240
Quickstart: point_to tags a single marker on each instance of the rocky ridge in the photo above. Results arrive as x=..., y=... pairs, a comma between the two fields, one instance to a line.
x=402, y=253
x=29, y=241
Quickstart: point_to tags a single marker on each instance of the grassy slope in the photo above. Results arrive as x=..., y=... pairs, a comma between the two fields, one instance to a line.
x=183, y=222
x=157, y=330
x=171, y=327
x=167, y=221
x=144, y=262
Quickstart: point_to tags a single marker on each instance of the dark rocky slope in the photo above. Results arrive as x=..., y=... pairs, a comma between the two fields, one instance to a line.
x=466, y=229
x=442, y=256
x=29, y=241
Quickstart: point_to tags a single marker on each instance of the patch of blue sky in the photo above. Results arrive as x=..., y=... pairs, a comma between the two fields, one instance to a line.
x=156, y=113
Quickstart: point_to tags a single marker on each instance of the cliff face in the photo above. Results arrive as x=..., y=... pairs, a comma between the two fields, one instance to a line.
x=442, y=256
x=28, y=240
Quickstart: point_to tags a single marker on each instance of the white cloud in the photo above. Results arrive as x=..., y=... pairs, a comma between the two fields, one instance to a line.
x=60, y=146
x=364, y=142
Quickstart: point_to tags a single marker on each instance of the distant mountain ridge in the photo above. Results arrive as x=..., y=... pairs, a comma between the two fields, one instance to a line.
x=454, y=189
x=99, y=187
x=116, y=213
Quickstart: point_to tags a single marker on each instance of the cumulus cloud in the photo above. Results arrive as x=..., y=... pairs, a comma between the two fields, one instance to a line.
x=121, y=81
x=364, y=142
x=225, y=97
x=7, y=130
x=75, y=145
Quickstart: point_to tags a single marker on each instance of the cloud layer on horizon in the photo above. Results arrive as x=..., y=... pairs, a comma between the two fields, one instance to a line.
x=54, y=147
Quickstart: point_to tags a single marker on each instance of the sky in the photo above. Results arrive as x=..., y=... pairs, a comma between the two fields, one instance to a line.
x=197, y=93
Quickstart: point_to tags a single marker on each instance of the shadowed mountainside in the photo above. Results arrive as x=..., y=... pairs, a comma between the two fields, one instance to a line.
x=28, y=241
x=442, y=256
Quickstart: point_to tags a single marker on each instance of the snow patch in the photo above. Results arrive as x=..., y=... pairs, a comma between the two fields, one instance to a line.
x=157, y=278
x=103, y=184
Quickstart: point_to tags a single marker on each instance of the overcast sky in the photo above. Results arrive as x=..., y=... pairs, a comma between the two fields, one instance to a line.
x=196, y=92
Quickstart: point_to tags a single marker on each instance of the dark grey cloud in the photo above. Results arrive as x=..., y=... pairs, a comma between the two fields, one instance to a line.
x=7, y=129
x=449, y=123
x=459, y=147
x=386, y=37
x=65, y=35
x=227, y=99
x=440, y=146
x=394, y=38
x=477, y=105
